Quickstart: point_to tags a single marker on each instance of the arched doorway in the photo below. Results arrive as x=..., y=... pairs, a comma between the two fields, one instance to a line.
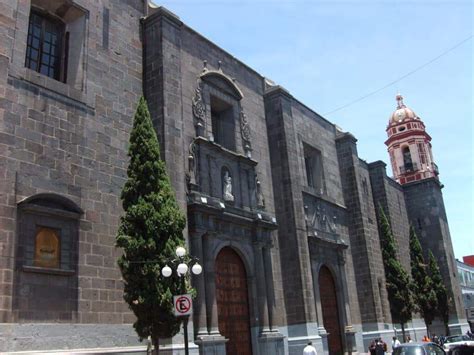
x=327, y=290
x=232, y=302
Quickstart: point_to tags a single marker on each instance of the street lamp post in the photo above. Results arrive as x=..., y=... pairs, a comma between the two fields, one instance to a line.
x=182, y=264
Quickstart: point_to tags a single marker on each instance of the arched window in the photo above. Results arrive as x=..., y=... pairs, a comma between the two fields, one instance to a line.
x=224, y=98
x=407, y=162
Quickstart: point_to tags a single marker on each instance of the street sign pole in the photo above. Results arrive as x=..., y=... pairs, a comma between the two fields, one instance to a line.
x=185, y=328
x=185, y=322
x=183, y=304
x=183, y=307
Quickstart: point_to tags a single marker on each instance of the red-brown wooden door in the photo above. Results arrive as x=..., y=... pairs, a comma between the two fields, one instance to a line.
x=232, y=302
x=327, y=290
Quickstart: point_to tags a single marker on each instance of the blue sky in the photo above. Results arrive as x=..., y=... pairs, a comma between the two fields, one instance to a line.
x=330, y=53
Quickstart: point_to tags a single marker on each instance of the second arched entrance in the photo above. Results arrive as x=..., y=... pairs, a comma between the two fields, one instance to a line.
x=327, y=289
x=232, y=302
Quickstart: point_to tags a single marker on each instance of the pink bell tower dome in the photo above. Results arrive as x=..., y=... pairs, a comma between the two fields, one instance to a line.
x=409, y=146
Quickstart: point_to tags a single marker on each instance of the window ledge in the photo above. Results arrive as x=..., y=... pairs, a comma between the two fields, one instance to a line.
x=226, y=152
x=44, y=82
x=325, y=197
x=45, y=270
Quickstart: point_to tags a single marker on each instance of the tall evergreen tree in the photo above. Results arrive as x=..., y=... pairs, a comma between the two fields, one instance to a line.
x=423, y=291
x=149, y=232
x=440, y=291
x=396, y=277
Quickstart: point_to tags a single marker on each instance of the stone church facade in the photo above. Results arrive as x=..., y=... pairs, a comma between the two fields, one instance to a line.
x=281, y=210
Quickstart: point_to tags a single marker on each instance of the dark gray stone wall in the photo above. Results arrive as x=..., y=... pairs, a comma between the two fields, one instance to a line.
x=297, y=287
x=174, y=61
x=427, y=214
x=71, y=141
x=363, y=235
x=389, y=195
x=313, y=223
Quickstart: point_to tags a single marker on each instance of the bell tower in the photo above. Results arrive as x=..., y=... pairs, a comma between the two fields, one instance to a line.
x=409, y=146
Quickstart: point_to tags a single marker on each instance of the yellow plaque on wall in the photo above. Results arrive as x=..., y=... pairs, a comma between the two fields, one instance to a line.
x=47, y=248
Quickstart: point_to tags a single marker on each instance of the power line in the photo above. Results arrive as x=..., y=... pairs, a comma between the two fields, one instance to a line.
x=151, y=261
x=400, y=78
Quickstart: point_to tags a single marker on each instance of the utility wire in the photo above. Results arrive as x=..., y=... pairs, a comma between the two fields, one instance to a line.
x=400, y=78
x=130, y=262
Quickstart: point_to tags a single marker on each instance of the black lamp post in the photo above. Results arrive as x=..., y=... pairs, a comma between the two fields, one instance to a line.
x=182, y=264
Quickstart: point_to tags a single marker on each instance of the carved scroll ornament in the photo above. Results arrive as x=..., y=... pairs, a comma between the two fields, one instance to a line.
x=199, y=109
x=245, y=133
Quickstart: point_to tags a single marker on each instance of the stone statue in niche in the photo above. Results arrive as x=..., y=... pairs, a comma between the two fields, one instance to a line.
x=260, y=198
x=191, y=174
x=227, y=184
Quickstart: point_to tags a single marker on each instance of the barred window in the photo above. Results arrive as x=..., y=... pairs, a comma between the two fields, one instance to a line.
x=44, y=46
x=421, y=150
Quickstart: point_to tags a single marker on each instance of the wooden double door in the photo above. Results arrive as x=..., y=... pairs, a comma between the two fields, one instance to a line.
x=327, y=290
x=232, y=302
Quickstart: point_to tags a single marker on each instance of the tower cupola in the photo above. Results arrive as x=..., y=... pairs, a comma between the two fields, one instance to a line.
x=409, y=145
x=402, y=113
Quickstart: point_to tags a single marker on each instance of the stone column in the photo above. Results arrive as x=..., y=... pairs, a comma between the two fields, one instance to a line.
x=343, y=284
x=261, y=287
x=317, y=298
x=210, y=286
x=319, y=310
x=199, y=282
x=267, y=264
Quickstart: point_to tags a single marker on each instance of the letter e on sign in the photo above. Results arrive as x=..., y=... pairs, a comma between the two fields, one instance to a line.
x=183, y=305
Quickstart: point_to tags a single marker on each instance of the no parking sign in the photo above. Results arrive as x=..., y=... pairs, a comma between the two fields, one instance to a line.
x=183, y=305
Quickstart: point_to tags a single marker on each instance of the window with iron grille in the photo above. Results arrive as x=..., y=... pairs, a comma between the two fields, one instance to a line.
x=45, y=44
x=421, y=150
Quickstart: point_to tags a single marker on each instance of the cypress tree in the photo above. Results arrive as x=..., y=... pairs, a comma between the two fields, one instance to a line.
x=396, y=277
x=149, y=232
x=423, y=291
x=440, y=291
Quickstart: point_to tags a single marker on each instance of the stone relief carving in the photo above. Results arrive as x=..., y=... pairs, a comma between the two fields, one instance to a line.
x=245, y=133
x=259, y=194
x=320, y=219
x=227, y=186
x=199, y=109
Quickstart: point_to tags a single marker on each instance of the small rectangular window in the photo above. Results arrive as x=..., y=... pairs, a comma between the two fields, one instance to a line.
x=223, y=123
x=314, y=168
x=44, y=45
x=47, y=248
x=422, y=152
